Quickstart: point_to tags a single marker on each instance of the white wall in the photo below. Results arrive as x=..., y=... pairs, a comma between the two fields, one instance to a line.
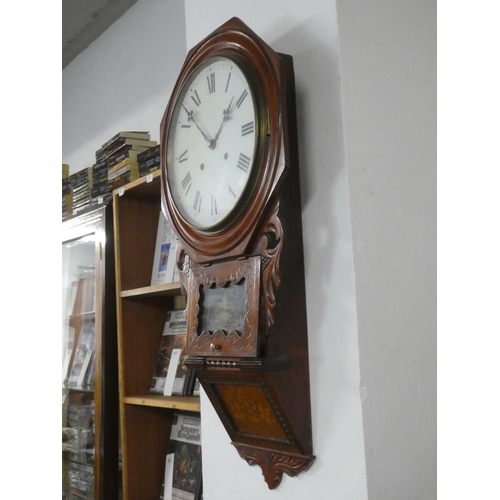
x=123, y=80
x=367, y=159
x=388, y=68
x=310, y=36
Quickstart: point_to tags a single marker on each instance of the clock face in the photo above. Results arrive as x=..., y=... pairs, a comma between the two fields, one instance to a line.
x=211, y=144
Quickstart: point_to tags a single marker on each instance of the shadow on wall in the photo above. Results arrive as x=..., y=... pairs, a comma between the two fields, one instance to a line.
x=325, y=214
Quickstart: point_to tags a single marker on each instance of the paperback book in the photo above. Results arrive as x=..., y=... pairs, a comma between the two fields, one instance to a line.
x=164, y=268
x=83, y=367
x=183, y=469
x=128, y=134
x=171, y=377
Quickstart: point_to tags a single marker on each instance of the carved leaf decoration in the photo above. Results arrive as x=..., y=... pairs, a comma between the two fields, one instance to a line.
x=183, y=264
x=271, y=249
x=274, y=464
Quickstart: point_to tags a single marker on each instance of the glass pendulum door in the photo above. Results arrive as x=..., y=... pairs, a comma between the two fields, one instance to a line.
x=90, y=463
x=78, y=366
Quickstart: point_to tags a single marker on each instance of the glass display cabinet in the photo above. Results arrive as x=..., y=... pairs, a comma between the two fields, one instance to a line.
x=90, y=455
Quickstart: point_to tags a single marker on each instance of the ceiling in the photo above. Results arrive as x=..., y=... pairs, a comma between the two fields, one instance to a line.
x=84, y=21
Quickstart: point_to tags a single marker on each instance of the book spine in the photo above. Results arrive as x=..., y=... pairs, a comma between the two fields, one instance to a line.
x=122, y=180
x=124, y=135
x=129, y=154
x=145, y=171
x=151, y=162
x=99, y=190
x=149, y=153
x=110, y=141
x=121, y=169
x=81, y=175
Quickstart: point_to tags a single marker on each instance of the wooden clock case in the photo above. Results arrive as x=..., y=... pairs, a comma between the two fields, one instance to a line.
x=245, y=287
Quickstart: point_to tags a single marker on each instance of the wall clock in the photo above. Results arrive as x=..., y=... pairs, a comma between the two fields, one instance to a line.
x=230, y=187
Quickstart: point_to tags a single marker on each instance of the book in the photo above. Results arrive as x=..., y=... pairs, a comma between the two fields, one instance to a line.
x=148, y=153
x=122, y=154
x=67, y=195
x=118, y=150
x=83, y=367
x=164, y=268
x=127, y=134
x=121, y=151
x=170, y=376
x=143, y=171
x=150, y=163
x=122, y=179
x=183, y=467
x=124, y=166
x=119, y=143
x=68, y=343
x=81, y=184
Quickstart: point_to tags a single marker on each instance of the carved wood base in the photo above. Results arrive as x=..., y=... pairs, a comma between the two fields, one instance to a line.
x=274, y=463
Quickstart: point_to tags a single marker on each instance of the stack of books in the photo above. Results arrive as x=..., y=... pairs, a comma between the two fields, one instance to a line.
x=116, y=161
x=149, y=160
x=78, y=449
x=81, y=185
x=100, y=181
x=67, y=197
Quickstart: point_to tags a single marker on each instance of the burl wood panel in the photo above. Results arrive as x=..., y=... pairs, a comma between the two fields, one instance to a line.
x=250, y=411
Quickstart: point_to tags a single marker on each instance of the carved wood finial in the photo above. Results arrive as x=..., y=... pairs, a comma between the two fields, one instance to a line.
x=274, y=464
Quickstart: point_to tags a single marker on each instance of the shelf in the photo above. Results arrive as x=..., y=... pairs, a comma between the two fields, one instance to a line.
x=143, y=187
x=188, y=403
x=79, y=315
x=168, y=290
x=84, y=391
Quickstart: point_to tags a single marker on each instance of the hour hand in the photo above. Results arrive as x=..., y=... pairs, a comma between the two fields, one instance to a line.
x=191, y=119
x=225, y=116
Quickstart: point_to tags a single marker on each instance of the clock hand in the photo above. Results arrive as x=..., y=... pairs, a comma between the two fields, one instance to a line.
x=191, y=119
x=225, y=116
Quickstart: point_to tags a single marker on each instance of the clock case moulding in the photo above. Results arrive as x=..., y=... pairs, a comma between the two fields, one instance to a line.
x=257, y=376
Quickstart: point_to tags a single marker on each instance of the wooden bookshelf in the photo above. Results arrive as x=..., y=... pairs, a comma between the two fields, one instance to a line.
x=145, y=418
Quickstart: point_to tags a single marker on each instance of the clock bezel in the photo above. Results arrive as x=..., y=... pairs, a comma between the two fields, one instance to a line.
x=261, y=68
x=170, y=137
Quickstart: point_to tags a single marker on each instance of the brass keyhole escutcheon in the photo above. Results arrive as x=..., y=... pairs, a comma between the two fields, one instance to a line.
x=214, y=347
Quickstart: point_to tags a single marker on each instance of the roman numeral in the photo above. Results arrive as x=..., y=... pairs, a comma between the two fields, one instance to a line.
x=185, y=126
x=196, y=98
x=243, y=162
x=211, y=83
x=183, y=157
x=239, y=102
x=227, y=84
x=247, y=129
x=197, y=202
x=186, y=181
x=232, y=192
x=213, y=205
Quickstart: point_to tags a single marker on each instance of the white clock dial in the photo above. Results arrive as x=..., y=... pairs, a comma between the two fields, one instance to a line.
x=211, y=143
